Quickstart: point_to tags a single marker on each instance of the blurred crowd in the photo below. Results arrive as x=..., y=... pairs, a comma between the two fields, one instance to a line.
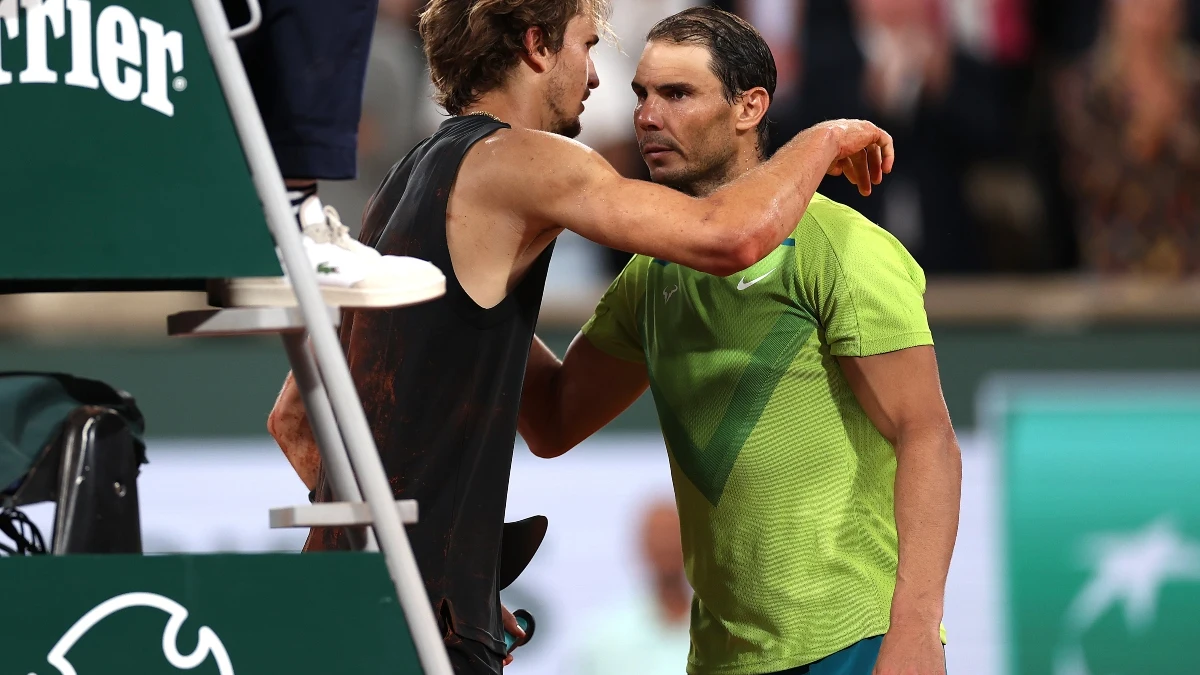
x=649, y=629
x=1033, y=136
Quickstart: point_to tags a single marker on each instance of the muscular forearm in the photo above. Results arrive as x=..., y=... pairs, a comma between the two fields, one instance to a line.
x=928, y=485
x=565, y=402
x=538, y=422
x=289, y=426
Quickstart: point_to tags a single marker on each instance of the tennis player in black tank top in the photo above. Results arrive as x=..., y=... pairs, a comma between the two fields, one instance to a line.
x=441, y=387
x=441, y=383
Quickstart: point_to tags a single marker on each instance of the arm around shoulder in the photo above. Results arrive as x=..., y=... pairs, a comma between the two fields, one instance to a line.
x=556, y=183
x=559, y=183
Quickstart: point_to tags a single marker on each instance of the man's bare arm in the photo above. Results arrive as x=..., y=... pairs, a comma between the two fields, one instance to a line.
x=562, y=184
x=288, y=424
x=901, y=393
x=564, y=402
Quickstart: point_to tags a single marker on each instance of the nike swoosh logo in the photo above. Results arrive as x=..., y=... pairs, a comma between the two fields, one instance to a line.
x=743, y=284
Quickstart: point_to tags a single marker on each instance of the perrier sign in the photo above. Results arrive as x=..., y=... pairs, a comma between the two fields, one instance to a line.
x=1103, y=520
x=130, y=58
x=120, y=159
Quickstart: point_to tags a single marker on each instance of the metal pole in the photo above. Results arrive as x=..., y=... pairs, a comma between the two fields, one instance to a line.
x=401, y=563
x=334, y=460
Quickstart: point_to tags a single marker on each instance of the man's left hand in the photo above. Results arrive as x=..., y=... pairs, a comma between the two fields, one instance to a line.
x=514, y=629
x=911, y=650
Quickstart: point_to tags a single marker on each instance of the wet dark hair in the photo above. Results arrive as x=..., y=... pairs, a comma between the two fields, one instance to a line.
x=741, y=58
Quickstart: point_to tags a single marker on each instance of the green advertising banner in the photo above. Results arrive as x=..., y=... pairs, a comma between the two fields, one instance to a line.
x=206, y=615
x=119, y=158
x=1102, y=485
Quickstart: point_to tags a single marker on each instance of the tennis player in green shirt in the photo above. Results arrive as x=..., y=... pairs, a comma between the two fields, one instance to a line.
x=816, y=472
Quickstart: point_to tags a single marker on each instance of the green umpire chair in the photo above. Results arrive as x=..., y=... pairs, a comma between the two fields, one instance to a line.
x=134, y=158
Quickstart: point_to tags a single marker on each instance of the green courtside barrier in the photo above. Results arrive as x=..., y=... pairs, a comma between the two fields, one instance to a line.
x=204, y=615
x=118, y=156
x=1102, y=522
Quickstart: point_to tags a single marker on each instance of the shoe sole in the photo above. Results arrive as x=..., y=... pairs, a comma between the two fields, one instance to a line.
x=275, y=292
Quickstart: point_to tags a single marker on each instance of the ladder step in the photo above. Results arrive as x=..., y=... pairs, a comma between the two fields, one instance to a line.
x=240, y=321
x=336, y=514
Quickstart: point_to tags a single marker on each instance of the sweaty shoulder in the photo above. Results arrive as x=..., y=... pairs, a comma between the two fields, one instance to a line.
x=523, y=166
x=857, y=245
x=521, y=151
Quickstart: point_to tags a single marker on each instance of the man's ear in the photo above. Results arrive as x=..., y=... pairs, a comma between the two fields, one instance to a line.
x=536, y=54
x=751, y=108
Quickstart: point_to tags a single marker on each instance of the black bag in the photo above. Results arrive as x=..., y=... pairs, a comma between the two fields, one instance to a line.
x=78, y=443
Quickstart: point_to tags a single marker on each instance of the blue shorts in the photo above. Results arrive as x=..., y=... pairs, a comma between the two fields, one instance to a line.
x=857, y=659
x=307, y=66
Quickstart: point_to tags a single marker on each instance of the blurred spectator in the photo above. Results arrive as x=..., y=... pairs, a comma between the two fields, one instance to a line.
x=829, y=71
x=1129, y=113
x=908, y=49
x=780, y=22
x=975, y=95
x=942, y=77
x=648, y=634
x=943, y=99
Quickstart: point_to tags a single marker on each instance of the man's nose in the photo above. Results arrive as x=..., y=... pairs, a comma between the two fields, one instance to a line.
x=648, y=117
x=593, y=76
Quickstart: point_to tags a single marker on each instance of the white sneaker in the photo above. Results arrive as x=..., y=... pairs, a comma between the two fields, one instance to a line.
x=349, y=273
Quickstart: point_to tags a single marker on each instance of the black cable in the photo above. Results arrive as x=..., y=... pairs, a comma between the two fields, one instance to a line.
x=24, y=534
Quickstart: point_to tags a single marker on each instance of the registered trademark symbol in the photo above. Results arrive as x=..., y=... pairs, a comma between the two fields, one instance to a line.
x=179, y=83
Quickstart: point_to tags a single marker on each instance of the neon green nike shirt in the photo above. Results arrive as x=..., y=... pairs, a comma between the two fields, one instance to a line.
x=784, y=486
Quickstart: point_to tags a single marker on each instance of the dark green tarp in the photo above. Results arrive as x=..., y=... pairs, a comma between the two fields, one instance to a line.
x=33, y=408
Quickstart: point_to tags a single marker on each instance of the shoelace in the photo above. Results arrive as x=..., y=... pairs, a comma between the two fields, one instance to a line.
x=340, y=232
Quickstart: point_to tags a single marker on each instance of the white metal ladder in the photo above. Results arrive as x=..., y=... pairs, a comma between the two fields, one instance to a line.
x=335, y=412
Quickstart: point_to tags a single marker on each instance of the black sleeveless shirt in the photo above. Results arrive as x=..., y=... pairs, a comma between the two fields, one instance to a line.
x=441, y=387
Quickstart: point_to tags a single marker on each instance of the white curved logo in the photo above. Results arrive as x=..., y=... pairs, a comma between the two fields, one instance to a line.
x=1131, y=569
x=743, y=284
x=208, y=643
